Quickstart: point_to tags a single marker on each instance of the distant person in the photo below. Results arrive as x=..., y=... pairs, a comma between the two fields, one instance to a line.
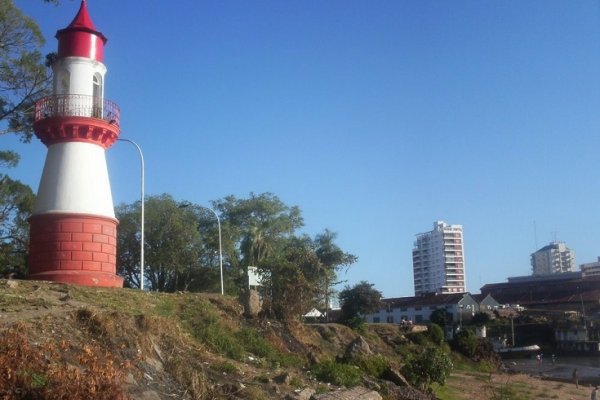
x=594, y=395
x=576, y=378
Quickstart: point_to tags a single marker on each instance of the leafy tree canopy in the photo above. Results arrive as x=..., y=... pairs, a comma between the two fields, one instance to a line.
x=441, y=317
x=362, y=298
x=253, y=227
x=16, y=205
x=182, y=243
x=480, y=319
x=291, y=277
x=172, y=244
x=23, y=73
x=423, y=369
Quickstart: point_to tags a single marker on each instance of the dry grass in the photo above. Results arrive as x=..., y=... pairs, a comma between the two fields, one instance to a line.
x=40, y=370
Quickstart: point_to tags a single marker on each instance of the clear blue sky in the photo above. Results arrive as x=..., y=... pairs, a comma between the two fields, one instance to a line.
x=376, y=118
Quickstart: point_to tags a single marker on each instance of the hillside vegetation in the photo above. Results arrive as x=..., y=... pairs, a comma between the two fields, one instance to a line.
x=68, y=342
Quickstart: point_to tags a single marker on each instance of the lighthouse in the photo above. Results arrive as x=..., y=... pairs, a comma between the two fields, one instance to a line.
x=73, y=229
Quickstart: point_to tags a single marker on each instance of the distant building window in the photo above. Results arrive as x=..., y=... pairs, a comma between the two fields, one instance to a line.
x=390, y=319
x=403, y=309
x=432, y=307
x=376, y=320
x=418, y=318
x=417, y=308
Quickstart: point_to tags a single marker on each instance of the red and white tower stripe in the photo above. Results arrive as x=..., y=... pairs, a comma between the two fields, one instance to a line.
x=73, y=228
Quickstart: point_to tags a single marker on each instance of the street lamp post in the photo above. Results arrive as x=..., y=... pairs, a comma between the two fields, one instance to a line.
x=220, y=246
x=139, y=149
x=186, y=204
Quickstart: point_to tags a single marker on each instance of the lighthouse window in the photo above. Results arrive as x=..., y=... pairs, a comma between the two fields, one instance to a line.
x=97, y=112
x=64, y=83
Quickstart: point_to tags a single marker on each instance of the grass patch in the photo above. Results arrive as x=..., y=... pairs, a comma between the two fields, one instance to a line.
x=227, y=368
x=374, y=366
x=340, y=374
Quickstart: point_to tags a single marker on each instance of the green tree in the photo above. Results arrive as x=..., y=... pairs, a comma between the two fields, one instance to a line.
x=435, y=333
x=465, y=342
x=332, y=259
x=23, y=71
x=290, y=278
x=252, y=228
x=480, y=319
x=16, y=204
x=441, y=317
x=362, y=298
x=172, y=244
x=429, y=366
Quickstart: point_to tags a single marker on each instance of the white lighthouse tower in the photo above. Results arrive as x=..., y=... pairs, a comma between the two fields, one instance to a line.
x=73, y=228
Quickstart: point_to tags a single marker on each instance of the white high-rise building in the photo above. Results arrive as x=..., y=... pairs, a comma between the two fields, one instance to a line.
x=438, y=260
x=554, y=258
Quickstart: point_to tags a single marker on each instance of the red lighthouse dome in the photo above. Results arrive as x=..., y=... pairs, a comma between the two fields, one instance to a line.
x=80, y=38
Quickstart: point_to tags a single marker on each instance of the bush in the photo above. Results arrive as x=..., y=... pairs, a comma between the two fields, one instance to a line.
x=436, y=334
x=357, y=324
x=374, y=366
x=418, y=338
x=423, y=369
x=337, y=373
x=465, y=342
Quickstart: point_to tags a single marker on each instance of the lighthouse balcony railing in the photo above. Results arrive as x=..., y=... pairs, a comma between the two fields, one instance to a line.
x=77, y=105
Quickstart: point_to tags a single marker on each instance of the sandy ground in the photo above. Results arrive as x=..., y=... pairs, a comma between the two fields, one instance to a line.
x=557, y=371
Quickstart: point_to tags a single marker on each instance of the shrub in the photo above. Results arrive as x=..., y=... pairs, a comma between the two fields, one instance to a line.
x=423, y=369
x=465, y=342
x=418, y=338
x=340, y=374
x=374, y=366
x=357, y=324
x=436, y=334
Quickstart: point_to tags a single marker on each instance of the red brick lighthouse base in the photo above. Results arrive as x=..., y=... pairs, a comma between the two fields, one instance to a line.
x=73, y=229
x=77, y=249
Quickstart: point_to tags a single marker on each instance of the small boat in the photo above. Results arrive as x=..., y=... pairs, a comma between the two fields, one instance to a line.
x=517, y=352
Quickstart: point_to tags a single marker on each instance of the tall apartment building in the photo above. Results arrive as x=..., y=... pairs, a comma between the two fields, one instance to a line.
x=438, y=260
x=554, y=258
x=590, y=269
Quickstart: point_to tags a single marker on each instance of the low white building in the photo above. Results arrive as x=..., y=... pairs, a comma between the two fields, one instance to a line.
x=418, y=309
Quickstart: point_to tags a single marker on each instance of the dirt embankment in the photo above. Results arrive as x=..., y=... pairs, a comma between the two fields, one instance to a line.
x=119, y=343
x=61, y=340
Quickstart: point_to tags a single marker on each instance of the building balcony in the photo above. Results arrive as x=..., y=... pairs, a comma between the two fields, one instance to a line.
x=77, y=105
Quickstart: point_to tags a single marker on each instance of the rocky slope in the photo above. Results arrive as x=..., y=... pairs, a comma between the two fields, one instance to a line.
x=59, y=340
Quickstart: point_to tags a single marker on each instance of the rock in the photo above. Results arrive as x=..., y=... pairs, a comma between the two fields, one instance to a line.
x=304, y=394
x=405, y=393
x=130, y=379
x=313, y=358
x=357, y=393
x=12, y=284
x=282, y=379
x=252, y=303
x=358, y=347
x=396, y=377
x=148, y=395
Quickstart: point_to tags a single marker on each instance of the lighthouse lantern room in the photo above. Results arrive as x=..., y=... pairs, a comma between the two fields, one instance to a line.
x=73, y=228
